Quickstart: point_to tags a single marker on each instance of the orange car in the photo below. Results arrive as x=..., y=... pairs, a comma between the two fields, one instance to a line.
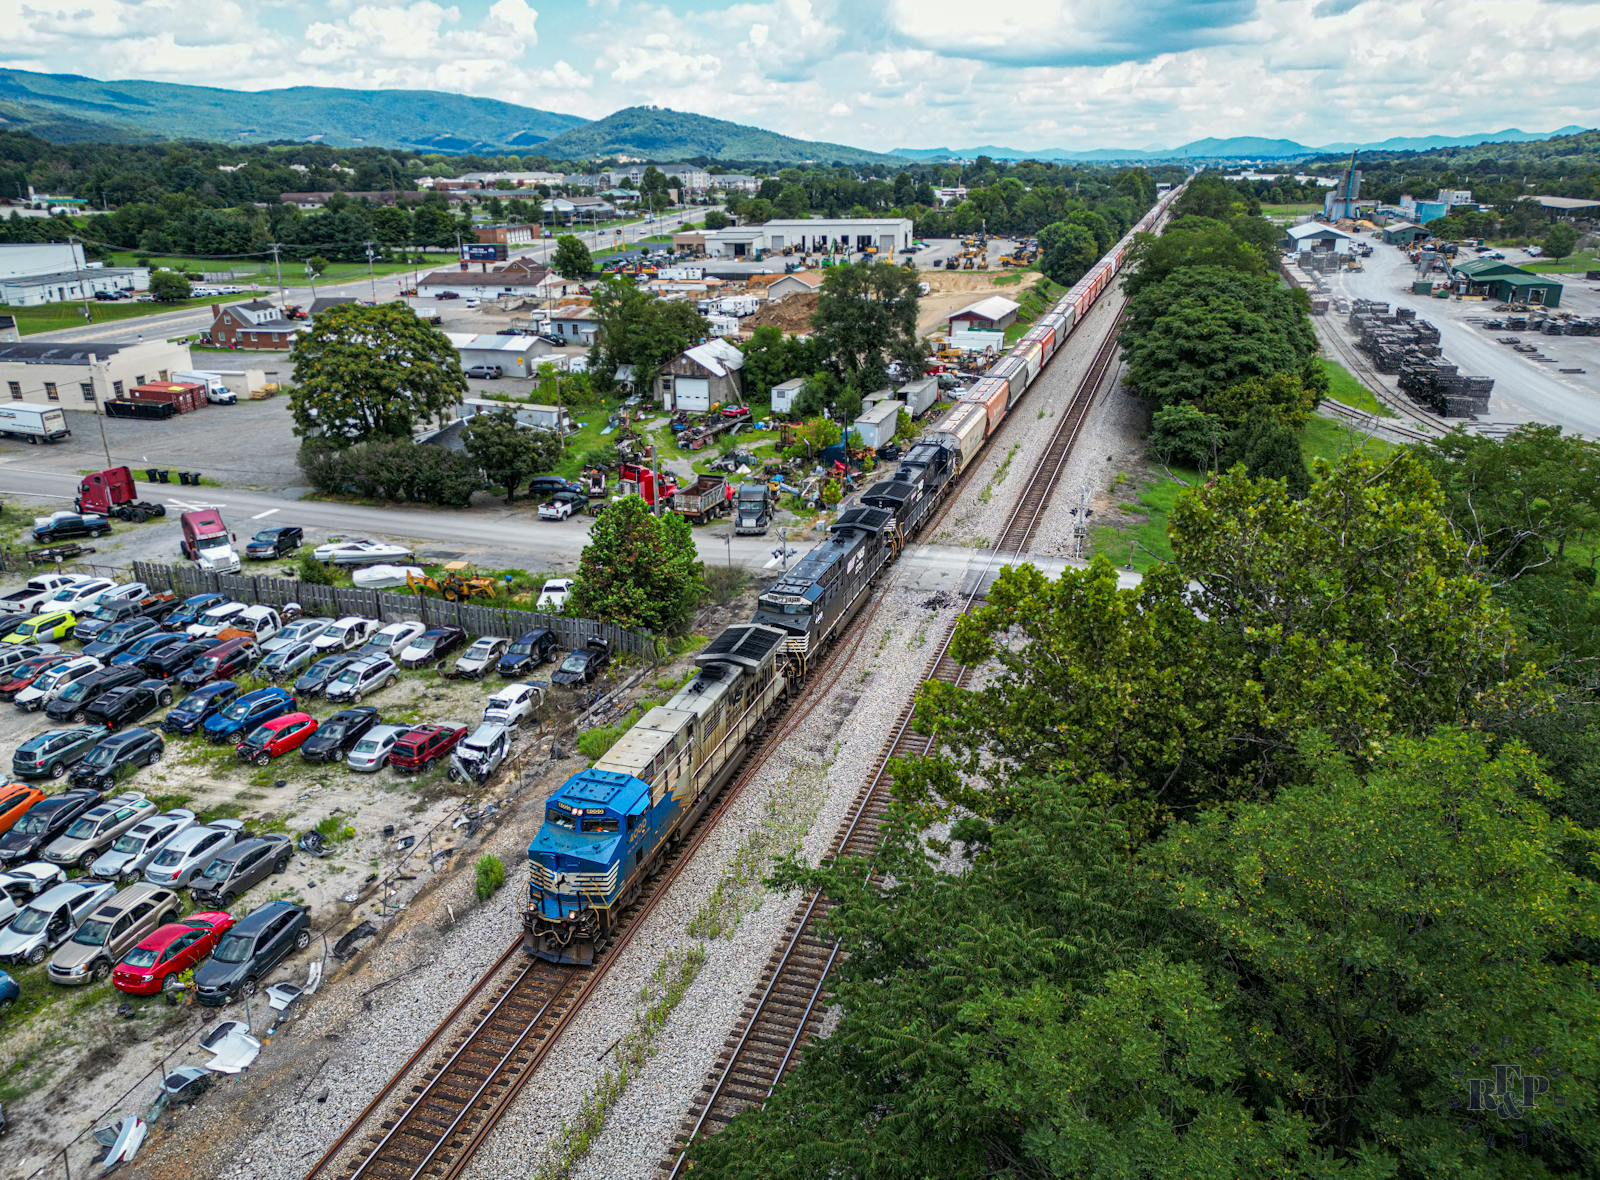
x=15, y=799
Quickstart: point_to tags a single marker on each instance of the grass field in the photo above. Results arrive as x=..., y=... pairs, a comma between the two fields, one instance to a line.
x=1573, y=263
x=1281, y=211
x=1343, y=387
x=260, y=270
x=53, y=317
x=1322, y=438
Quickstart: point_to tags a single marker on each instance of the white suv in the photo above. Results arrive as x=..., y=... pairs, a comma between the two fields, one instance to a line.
x=363, y=676
x=346, y=634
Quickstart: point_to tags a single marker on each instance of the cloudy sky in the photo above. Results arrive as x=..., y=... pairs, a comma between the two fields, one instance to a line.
x=887, y=73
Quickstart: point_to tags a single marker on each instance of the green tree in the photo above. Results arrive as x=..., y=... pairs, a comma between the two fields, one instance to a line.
x=318, y=264
x=866, y=317
x=717, y=219
x=1186, y=435
x=767, y=361
x=1559, y=240
x=572, y=261
x=1188, y=242
x=812, y=437
x=509, y=453
x=1270, y=449
x=638, y=570
x=366, y=372
x=1066, y=252
x=635, y=328
x=167, y=286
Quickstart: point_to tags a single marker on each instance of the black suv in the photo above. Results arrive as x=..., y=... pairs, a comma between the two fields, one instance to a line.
x=72, y=704
x=234, y=871
x=119, y=637
x=190, y=610
x=584, y=664
x=270, y=543
x=132, y=747
x=528, y=652
x=49, y=754
x=338, y=733
x=134, y=702
x=190, y=713
x=170, y=661
x=252, y=948
x=42, y=823
x=316, y=678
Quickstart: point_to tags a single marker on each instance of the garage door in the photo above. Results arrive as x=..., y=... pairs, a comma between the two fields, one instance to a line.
x=885, y=243
x=694, y=393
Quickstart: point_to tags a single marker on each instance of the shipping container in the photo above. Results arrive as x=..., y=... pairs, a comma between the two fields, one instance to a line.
x=877, y=424
x=182, y=396
x=994, y=395
x=963, y=429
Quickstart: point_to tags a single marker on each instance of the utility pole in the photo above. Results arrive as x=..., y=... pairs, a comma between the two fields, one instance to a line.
x=277, y=267
x=82, y=291
x=372, y=274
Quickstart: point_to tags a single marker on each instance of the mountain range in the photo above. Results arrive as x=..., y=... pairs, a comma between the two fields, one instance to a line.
x=1245, y=147
x=67, y=108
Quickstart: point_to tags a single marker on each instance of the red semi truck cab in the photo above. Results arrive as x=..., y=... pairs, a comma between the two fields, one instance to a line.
x=635, y=479
x=208, y=543
x=113, y=493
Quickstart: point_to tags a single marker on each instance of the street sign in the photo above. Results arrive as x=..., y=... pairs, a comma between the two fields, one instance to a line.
x=483, y=251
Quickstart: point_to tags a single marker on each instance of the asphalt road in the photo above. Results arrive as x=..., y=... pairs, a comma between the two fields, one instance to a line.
x=190, y=320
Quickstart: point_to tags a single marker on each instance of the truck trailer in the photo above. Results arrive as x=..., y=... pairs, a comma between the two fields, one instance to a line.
x=34, y=423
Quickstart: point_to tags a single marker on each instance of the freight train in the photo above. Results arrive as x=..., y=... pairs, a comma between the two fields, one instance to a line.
x=611, y=826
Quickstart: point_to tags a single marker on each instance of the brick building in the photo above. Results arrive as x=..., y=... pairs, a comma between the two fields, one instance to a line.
x=257, y=324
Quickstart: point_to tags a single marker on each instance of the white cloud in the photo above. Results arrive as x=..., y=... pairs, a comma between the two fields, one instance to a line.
x=519, y=17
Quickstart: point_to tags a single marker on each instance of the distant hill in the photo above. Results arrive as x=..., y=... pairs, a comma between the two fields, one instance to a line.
x=65, y=108
x=656, y=133
x=1238, y=148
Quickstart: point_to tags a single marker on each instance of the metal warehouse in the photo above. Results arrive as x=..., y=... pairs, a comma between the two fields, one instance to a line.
x=886, y=235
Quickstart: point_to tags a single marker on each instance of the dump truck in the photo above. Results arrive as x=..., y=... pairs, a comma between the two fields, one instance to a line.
x=702, y=500
x=113, y=493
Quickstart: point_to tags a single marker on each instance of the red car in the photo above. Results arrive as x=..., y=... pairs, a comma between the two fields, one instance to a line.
x=735, y=411
x=155, y=964
x=273, y=739
x=424, y=746
x=25, y=673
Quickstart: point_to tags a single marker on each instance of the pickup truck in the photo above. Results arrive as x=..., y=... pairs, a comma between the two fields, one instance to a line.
x=38, y=591
x=63, y=526
x=109, y=614
x=256, y=623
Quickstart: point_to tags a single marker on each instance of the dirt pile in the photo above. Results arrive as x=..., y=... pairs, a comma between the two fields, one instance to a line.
x=792, y=314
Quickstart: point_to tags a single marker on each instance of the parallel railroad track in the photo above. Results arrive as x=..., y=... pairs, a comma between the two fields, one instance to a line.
x=1432, y=426
x=440, y=1106
x=790, y=999
x=1019, y=532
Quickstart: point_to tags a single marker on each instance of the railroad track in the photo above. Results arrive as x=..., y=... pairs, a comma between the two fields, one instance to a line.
x=790, y=999
x=442, y=1104
x=1370, y=423
x=1432, y=426
x=1046, y=474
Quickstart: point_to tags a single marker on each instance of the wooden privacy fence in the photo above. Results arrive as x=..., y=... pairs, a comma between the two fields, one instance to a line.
x=339, y=601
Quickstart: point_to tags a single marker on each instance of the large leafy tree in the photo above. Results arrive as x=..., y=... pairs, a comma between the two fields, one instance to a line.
x=866, y=317
x=1066, y=251
x=1188, y=242
x=372, y=372
x=507, y=452
x=572, y=259
x=1352, y=610
x=638, y=569
x=771, y=358
x=1289, y=989
x=635, y=328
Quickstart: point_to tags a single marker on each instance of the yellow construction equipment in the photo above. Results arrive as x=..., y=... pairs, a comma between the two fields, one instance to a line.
x=458, y=583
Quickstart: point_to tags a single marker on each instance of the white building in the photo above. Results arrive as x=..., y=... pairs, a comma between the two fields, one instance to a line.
x=888, y=236
x=81, y=376
x=67, y=286
x=26, y=259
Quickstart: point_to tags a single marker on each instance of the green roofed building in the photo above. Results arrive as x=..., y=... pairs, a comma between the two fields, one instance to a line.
x=1503, y=281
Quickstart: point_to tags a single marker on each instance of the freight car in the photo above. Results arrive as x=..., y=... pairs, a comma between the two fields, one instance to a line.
x=609, y=827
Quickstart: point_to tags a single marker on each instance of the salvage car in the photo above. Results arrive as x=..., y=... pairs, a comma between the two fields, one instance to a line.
x=245, y=713
x=97, y=829
x=372, y=751
x=188, y=714
x=130, y=703
x=191, y=850
x=114, y=928
x=52, y=753
x=131, y=853
x=346, y=634
x=16, y=800
x=431, y=645
x=276, y=737
x=136, y=746
x=531, y=649
x=368, y=674
x=513, y=705
x=72, y=702
x=315, y=679
x=421, y=747
x=229, y=875
x=50, y=919
x=584, y=664
x=339, y=734
x=42, y=823
x=481, y=656
x=161, y=958
x=255, y=945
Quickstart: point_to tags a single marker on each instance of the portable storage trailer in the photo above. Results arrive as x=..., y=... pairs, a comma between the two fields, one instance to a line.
x=920, y=395
x=963, y=429
x=783, y=394
x=877, y=425
x=993, y=394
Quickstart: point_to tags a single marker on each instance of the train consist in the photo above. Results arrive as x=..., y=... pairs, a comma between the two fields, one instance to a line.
x=610, y=827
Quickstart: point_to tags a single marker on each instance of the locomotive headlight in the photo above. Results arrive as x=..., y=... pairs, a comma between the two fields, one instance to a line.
x=572, y=914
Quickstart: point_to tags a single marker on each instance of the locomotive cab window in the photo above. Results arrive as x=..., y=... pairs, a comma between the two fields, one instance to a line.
x=560, y=819
x=600, y=825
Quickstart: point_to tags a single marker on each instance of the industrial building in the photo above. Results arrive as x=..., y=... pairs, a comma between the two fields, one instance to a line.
x=1403, y=233
x=1317, y=237
x=704, y=374
x=8, y=330
x=35, y=273
x=1567, y=208
x=82, y=376
x=887, y=236
x=1503, y=281
x=515, y=279
x=1340, y=202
